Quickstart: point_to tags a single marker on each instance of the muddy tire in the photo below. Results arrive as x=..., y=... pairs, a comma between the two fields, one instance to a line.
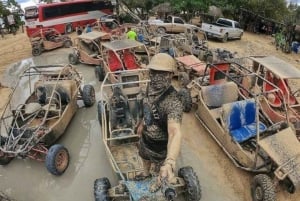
x=101, y=187
x=36, y=51
x=68, y=43
x=88, y=95
x=192, y=184
x=57, y=159
x=184, y=79
x=100, y=73
x=262, y=188
x=186, y=99
x=4, y=160
x=73, y=59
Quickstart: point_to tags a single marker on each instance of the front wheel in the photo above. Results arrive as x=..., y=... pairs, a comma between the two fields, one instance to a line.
x=101, y=187
x=88, y=95
x=262, y=188
x=161, y=30
x=4, y=159
x=73, y=58
x=36, y=51
x=192, y=184
x=57, y=159
x=68, y=43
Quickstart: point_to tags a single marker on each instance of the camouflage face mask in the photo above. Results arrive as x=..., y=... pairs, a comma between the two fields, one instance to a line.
x=159, y=80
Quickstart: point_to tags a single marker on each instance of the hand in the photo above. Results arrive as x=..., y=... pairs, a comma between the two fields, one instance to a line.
x=167, y=172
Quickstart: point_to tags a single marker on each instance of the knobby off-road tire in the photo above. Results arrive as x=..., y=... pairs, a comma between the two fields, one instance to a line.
x=68, y=43
x=186, y=99
x=262, y=188
x=101, y=187
x=88, y=95
x=192, y=184
x=73, y=58
x=36, y=51
x=100, y=73
x=57, y=159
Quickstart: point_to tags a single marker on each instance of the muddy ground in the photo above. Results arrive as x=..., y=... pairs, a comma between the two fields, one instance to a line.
x=27, y=180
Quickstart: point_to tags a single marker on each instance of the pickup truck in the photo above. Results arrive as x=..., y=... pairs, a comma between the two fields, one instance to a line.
x=170, y=24
x=223, y=29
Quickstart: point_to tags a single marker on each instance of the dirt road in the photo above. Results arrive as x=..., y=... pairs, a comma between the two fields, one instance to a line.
x=27, y=180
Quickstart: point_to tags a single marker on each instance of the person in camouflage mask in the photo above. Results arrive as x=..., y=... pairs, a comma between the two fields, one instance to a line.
x=160, y=135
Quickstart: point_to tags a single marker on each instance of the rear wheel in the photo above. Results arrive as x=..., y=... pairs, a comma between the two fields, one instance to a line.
x=68, y=43
x=101, y=187
x=100, y=73
x=57, y=159
x=192, y=184
x=4, y=159
x=73, y=58
x=88, y=95
x=186, y=99
x=161, y=30
x=262, y=188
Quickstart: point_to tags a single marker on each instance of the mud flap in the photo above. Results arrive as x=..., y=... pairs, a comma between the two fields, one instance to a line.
x=140, y=189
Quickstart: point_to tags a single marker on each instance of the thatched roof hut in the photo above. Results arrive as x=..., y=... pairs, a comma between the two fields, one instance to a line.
x=163, y=9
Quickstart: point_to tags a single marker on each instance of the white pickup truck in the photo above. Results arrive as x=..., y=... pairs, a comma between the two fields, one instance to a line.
x=170, y=24
x=223, y=29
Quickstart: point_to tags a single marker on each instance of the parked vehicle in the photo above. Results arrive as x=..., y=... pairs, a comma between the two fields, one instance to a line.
x=118, y=113
x=87, y=48
x=65, y=20
x=48, y=39
x=111, y=26
x=287, y=78
x=121, y=55
x=171, y=24
x=223, y=29
x=249, y=138
x=37, y=115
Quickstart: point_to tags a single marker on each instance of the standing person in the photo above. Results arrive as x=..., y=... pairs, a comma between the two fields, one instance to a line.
x=131, y=34
x=160, y=135
x=88, y=28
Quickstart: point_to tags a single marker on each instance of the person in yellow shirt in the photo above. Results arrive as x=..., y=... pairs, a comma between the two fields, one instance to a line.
x=131, y=34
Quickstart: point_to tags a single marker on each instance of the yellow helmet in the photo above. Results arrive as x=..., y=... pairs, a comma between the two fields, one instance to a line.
x=162, y=62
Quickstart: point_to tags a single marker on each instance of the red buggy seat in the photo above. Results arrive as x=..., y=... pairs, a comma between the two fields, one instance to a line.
x=274, y=101
x=114, y=63
x=129, y=60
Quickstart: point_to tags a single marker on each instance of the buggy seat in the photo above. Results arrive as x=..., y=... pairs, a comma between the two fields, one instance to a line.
x=114, y=63
x=129, y=60
x=120, y=116
x=240, y=119
x=219, y=94
x=64, y=88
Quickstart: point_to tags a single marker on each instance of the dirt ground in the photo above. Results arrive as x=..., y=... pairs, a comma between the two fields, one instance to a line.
x=14, y=48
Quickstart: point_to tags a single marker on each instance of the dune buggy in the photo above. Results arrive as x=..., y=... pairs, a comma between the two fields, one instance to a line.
x=287, y=78
x=121, y=55
x=118, y=111
x=87, y=48
x=232, y=114
x=48, y=39
x=30, y=126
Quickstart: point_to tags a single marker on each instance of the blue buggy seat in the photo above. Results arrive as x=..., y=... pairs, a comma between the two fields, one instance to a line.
x=240, y=119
